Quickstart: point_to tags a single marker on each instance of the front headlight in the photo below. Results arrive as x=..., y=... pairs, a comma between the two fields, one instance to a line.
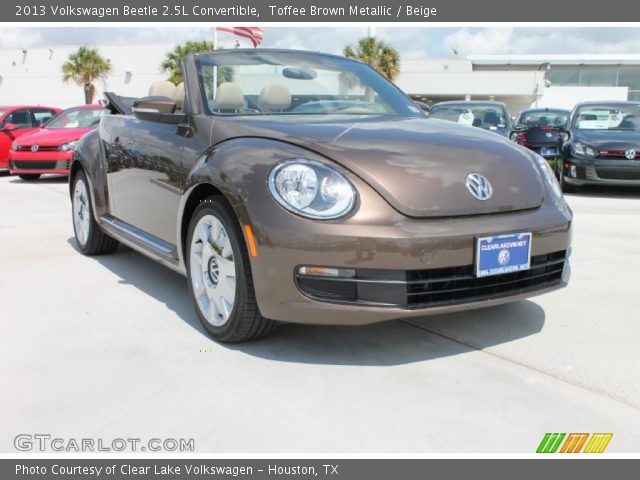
x=14, y=146
x=65, y=147
x=311, y=189
x=549, y=176
x=581, y=149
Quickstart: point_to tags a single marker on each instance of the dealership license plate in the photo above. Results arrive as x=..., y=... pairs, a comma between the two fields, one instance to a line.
x=503, y=254
x=549, y=152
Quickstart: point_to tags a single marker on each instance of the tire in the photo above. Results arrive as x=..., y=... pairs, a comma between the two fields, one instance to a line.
x=220, y=279
x=90, y=239
x=29, y=177
x=566, y=187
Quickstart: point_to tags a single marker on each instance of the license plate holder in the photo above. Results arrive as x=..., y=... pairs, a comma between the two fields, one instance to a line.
x=505, y=253
x=549, y=152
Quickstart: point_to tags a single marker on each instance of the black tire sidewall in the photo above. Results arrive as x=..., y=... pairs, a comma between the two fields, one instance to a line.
x=82, y=177
x=218, y=208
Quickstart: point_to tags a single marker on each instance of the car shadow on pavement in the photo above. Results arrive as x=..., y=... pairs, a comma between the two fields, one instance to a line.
x=46, y=179
x=382, y=344
x=598, y=191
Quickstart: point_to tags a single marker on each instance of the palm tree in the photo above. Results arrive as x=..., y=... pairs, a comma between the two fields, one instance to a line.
x=172, y=63
x=377, y=54
x=84, y=66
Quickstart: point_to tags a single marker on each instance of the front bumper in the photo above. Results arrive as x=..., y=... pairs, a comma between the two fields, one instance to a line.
x=42, y=162
x=395, y=258
x=593, y=171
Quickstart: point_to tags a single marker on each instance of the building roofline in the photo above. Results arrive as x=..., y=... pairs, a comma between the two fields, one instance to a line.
x=558, y=59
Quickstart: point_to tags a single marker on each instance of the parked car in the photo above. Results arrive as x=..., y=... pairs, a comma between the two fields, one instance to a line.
x=492, y=116
x=603, y=146
x=17, y=121
x=49, y=149
x=351, y=217
x=542, y=130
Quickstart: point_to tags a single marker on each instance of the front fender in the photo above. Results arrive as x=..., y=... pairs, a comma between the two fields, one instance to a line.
x=239, y=168
x=88, y=155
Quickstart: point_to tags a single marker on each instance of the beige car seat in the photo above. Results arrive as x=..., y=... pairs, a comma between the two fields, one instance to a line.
x=229, y=96
x=274, y=97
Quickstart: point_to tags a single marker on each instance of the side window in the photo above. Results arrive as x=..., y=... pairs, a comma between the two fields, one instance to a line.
x=42, y=115
x=21, y=118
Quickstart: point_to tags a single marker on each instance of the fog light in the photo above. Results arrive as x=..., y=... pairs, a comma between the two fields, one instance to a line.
x=326, y=272
x=572, y=171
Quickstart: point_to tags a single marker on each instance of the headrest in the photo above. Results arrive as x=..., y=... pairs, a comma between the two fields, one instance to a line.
x=229, y=96
x=274, y=97
x=178, y=96
x=162, y=88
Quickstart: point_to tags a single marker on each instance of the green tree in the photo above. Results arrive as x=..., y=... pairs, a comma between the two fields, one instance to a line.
x=377, y=54
x=172, y=63
x=84, y=66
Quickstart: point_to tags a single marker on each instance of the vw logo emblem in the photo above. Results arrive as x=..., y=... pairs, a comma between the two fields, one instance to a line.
x=630, y=154
x=479, y=186
x=503, y=257
x=548, y=134
x=34, y=148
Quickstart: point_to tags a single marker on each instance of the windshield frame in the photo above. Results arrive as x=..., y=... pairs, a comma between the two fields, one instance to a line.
x=391, y=97
x=604, y=106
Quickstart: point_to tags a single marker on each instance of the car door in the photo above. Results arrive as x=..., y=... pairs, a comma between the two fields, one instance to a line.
x=145, y=175
x=22, y=119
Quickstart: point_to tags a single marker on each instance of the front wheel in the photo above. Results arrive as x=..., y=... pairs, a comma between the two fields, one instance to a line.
x=29, y=177
x=89, y=238
x=219, y=272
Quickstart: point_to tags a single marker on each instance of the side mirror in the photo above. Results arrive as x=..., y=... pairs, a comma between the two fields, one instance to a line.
x=8, y=127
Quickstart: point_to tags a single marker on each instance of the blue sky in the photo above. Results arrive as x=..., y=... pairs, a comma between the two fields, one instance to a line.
x=411, y=42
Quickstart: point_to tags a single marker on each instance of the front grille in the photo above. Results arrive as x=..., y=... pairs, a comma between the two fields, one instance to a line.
x=612, y=153
x=41, y=148
x=35, y=164
x=459, y=285
x=435, y=287
x=618, y=174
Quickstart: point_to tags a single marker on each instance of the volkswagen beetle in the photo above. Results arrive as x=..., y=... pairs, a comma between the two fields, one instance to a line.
x=291, y=186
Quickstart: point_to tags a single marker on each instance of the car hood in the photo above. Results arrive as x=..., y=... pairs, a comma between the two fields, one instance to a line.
x=607, y=140
x=418, y=165
x=53, y=137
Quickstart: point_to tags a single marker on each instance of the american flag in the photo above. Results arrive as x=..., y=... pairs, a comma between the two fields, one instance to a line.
x=254, y=34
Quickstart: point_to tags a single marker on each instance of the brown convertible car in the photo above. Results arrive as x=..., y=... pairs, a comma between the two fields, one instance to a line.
x=303, y=187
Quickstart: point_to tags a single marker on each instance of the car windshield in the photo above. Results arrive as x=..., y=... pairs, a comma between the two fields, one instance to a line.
x=260, y=82
x=608, y=117
x=77, y=118
x=482, y=116
x=547, y=118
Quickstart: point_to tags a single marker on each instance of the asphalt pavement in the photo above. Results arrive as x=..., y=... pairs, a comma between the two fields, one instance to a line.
x=109, y=347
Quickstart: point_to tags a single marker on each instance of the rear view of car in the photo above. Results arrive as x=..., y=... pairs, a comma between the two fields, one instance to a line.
x=541, y=130
x=491, y=116
x=48, y=150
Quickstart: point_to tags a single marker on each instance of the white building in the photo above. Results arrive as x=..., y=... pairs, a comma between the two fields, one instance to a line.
x=34, y=75
x=524, y=80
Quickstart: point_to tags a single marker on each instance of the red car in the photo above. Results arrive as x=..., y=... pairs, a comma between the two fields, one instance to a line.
x=49, y=149
x=17, y=121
